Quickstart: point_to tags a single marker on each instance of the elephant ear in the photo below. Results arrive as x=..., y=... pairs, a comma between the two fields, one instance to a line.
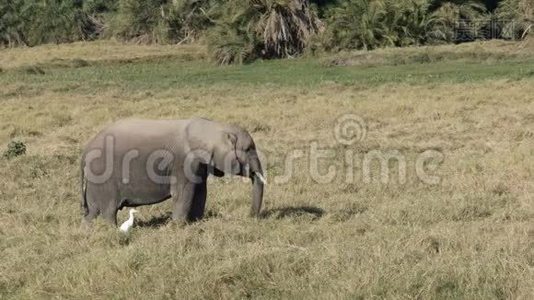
x=224, y=153
x=198, y=145
x=231, y=139
x=213, y=147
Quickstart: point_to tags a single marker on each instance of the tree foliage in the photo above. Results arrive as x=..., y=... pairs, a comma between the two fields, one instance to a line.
x=250, y=29
x=459, y=21
x=24, y=22
x=13, y=23
x=239, y=31
x=519, y=16
x=361, y=24
x=161, y=21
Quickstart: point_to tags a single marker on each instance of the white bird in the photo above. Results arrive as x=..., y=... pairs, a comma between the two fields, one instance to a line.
x=128, y=223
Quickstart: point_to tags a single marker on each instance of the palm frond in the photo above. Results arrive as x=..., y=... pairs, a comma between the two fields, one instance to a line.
x=268, y=28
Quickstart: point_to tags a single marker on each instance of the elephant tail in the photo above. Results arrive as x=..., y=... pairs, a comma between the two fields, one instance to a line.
x=83, y=182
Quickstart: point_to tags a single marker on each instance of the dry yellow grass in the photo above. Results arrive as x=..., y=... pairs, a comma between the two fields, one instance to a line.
x=472, y=236
x=487, y=51
x=94, y=52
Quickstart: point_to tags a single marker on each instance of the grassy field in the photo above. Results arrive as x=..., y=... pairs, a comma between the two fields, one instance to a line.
x=470, y=236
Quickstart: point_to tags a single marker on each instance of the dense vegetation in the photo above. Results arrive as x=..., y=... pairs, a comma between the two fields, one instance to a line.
x=241, y=31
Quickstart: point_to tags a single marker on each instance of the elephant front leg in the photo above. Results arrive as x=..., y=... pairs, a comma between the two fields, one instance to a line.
x=182, y=196
x=199, y=202
x=189, y=195
x=190, y=202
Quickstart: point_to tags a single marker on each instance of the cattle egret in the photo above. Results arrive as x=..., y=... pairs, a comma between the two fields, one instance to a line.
x=128, y=224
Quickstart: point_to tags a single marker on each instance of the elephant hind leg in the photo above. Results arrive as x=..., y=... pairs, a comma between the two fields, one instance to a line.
x=110, y=214
x=110, y=208
x=90, y=210
x=101, y=200
x=88, y=218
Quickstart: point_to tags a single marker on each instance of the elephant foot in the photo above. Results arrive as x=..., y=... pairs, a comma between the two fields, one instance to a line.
x=179, y=222
x=86, y=225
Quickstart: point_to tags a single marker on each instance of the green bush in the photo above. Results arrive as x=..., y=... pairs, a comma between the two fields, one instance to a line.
x=99, y=13
x=245, y=30
x=461, y=22
x=230, y=45
x=140, y=20
x=56, y=21
x=161, y=21
x=362, y=24
x=518, y=16
x=14, y=149
x=187, y=19
x=240, y=31
x=369, y=24
x=13, y=21
x=32, y=22
x=233, y=38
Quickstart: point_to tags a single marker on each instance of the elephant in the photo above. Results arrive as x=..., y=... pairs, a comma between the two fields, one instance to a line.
x=140, y=162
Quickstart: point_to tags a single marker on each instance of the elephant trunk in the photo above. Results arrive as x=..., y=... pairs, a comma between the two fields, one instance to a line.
x=256, y=175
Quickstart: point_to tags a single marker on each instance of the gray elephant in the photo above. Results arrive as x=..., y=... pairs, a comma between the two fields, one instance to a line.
x=141, y=162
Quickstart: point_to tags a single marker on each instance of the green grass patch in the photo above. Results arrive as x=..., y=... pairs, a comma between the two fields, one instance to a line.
x=162, y=75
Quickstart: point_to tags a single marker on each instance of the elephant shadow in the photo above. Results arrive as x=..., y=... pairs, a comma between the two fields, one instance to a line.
x=293, y=212
x=156, y=221
x=165, y=218
x=276, y=213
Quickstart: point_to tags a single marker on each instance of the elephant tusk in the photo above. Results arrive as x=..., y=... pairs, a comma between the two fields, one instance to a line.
x=261, y=178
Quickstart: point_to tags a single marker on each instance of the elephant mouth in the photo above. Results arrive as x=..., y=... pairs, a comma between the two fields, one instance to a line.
x=246, y=171
x=242, y=171
x=256, y=175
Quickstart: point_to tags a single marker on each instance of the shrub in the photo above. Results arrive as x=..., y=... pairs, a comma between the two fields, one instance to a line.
x=56, y=21
x=14, y=149
x=31, y=22
x=230, y=45
x=12, y=23
x=239, y=31
x=461, y=22
x=187, y=19
x=518, y=16
x=245, y=30
x=286, y=27
x=161, y=21
x=140, y=20
x=362, y=24
x=233, y=39
x=99, y=13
